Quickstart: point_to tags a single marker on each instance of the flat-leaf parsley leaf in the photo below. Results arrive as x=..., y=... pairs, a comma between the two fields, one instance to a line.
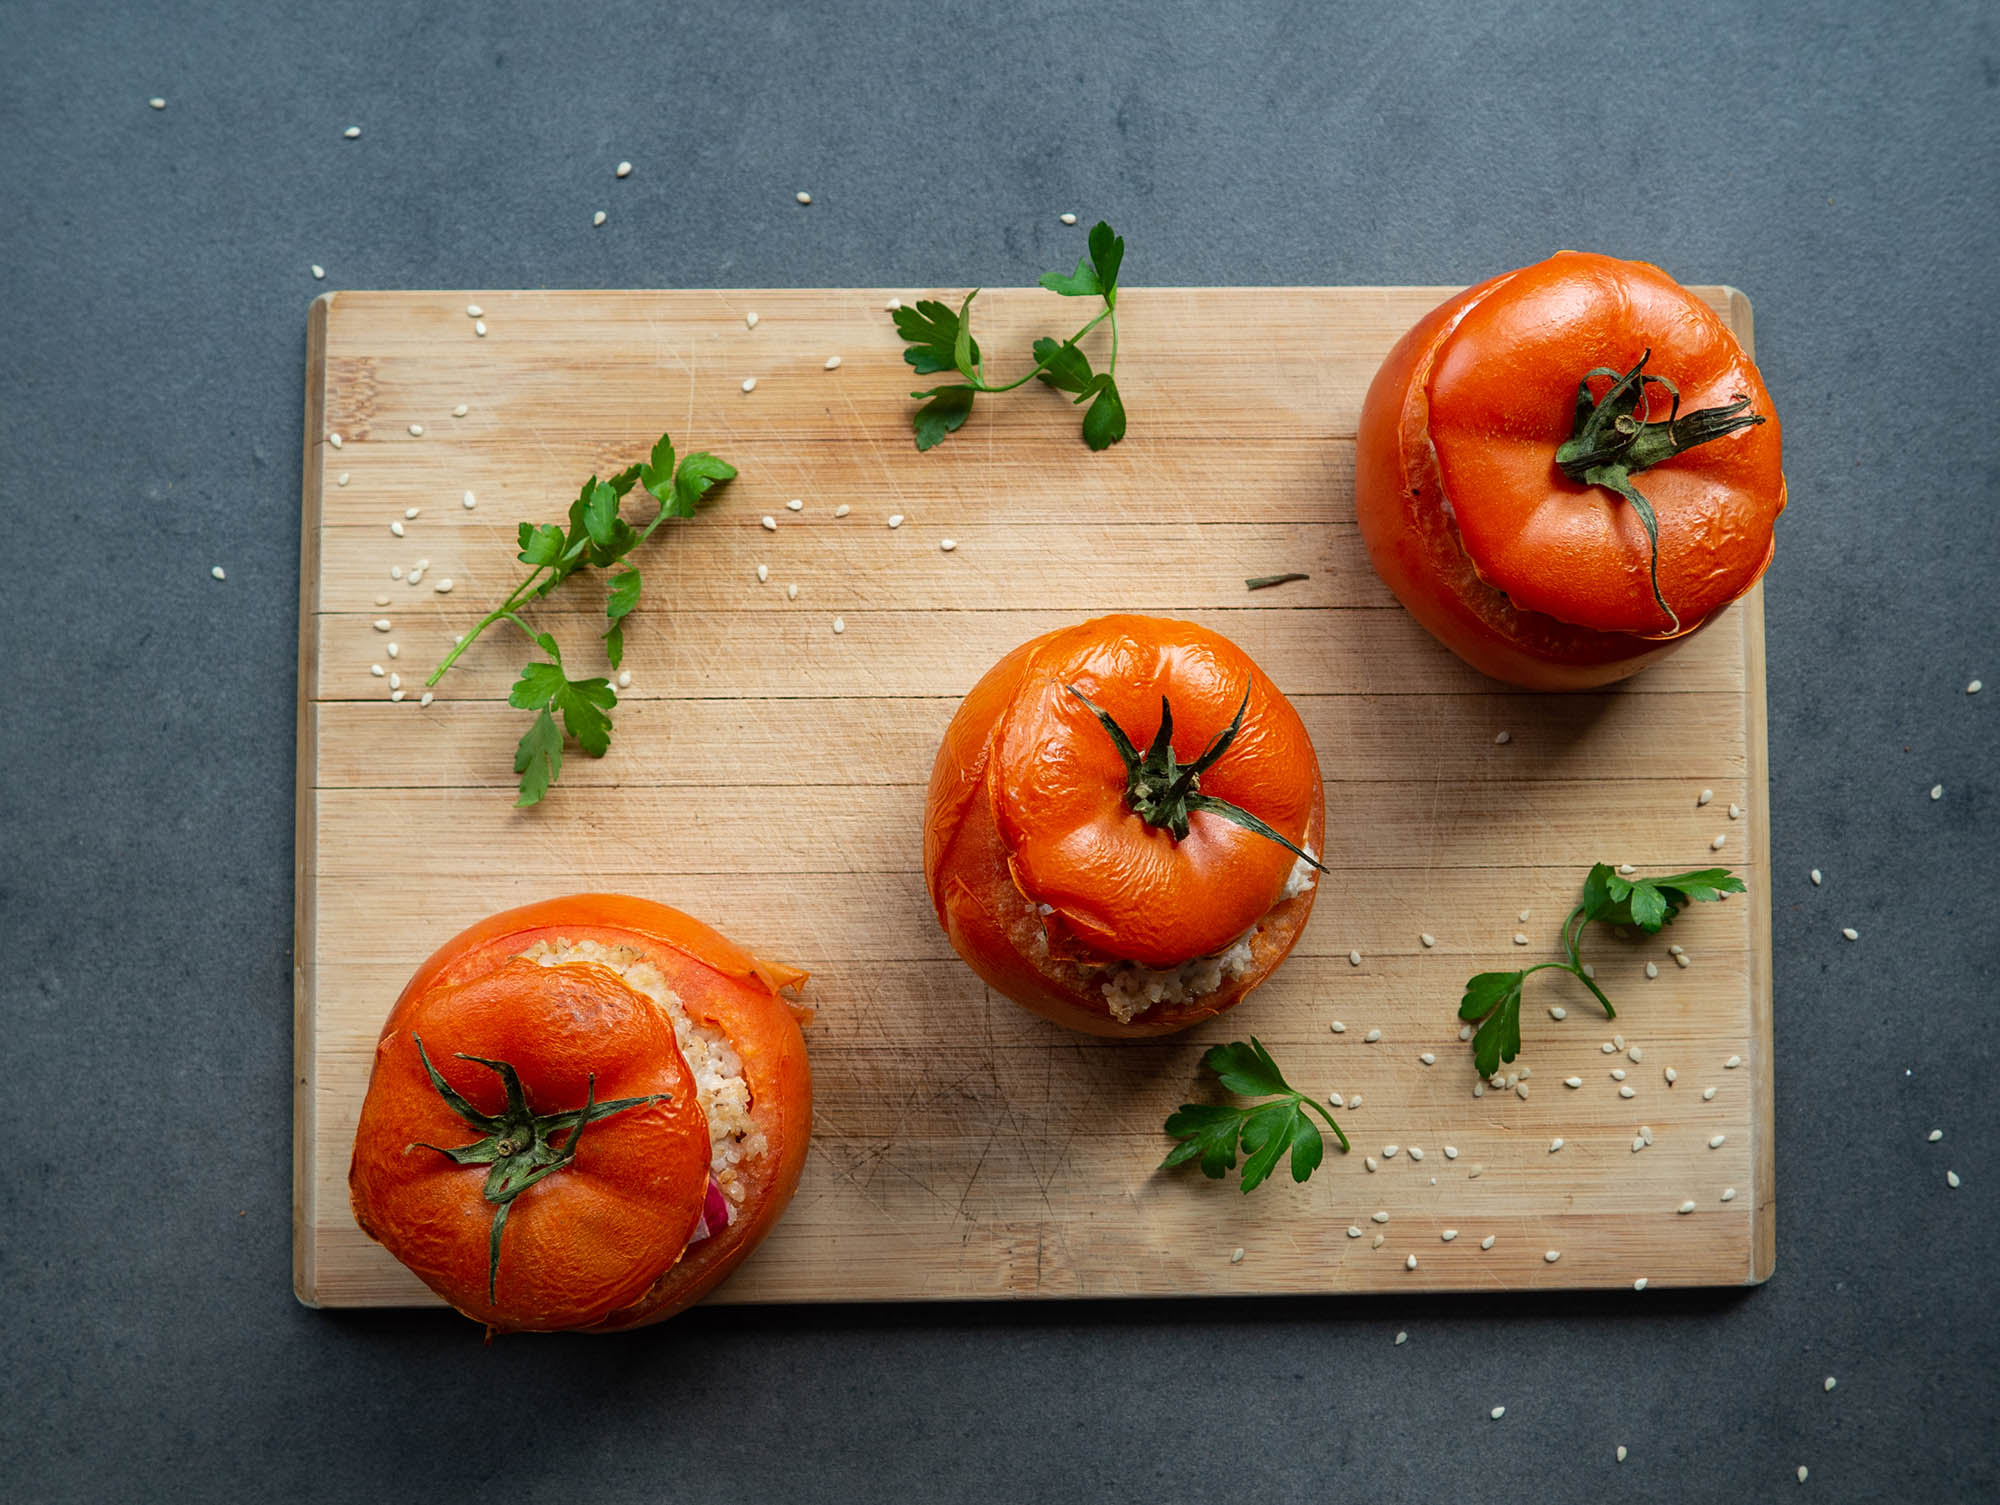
x=1210, y=1132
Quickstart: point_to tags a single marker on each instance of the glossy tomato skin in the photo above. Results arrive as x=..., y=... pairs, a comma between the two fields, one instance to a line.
x=573, y=1266
x=1024, y=809
x=1466, y=516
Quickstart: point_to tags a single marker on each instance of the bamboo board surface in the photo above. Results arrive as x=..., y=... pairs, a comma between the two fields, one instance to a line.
x=768, y=775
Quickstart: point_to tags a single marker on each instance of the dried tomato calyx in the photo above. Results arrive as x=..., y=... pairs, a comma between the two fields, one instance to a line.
x=1612, y=441
x=1164, y=794
x=518, y=1142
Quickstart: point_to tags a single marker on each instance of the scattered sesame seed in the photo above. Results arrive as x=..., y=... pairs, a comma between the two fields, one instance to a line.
x=791, y=593
x=625, y=679
x=839, y=625
x=1416, y=1153
x=1479, y=1089
x=1590, y=971
x=395, y=651
x=1937, y=791
x=1715, y=1141
x=1974, y=688
x=1686, y=1207
x=1369, y=1162
x=1448, y=1235
x=470, y=501
x=1626, y=867
x=833, y=363
x=795, y=505
x=381, y=624
x=426, y=698
x=342, y=479
x=893, y=304
x=750, y=320
x=1554, y=1145
x=1704, y=797
x=1830, y=1383
x=1428, y=939
x=1389, y=1152
x=1497, y=1412
x=1354, y=958
x=1639, y=1284
x=1729, y=1194
x=947, y=544
x=397, y=529
x=1336, y=1099
x=1610, y=1049
x=1732, y=1063
x=1736, y=812
x=1802, y=1473
x=1521, y=1091
x=622, y=170
x=1451, y=1152
x=1550, y=1256
x=377, y=670
x=1487, y=1242
x=1718, y=844
x=479, y=328
x=1353, y=1232
x=1501, y=739
x=460, y=411
x=1683, y=960
x=803, y=197
x=416, y=574
x=1671, y=1075
x=1951, y=1179
x=1618, y=1073
x=352, y=133
x=770, y=523
x=1708, y=1094
x=319, y=272
x=1068, y=219
x=473, y=311
x=1520, y=939
x=1372, y=1036
x=1339, y=1026
x=1427, y=1058
x=157, y=103
x=1851, y=933
x=842, y=510
x=1572, y=1081
x=763, y=573
x=1935, y=1135
x=895, y=519
x=336, y=441
x=1380, y=1240
x=1410, y=1262
x=1638, y=1143
x=397, y=694
x=1652, y=971
x=1815, y=877
x=1465, y=1032
x=1621, y=1452
x=1635, y=1055
x=749, y=383
x=381, y=600
x=1625, y=1092
x=1236, y=1258
x=597, y=218
x=1475, y=1173
x=412, y=512
x=395, y=681
x=1381, y=1217
x=1401, y=1339
x=216, y=571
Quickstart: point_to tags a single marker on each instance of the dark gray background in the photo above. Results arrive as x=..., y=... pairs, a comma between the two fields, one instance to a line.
x=1836, y=161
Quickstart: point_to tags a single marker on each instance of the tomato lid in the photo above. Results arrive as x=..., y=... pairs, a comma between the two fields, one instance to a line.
x=1503, y=399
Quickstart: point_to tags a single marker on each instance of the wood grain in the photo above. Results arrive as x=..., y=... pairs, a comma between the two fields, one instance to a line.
x=767, y=775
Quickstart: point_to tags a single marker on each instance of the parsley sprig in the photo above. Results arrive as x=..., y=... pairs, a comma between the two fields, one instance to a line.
x=597, y=537
x=940, y=340
x=1267, y=1130
x=1494, y=998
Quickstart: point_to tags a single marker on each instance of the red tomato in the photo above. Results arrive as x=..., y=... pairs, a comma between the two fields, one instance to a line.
x=1542, y=572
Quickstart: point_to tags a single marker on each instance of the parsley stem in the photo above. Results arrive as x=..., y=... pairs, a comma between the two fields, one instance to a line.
x=505, y=609
x=1313, y=1103
x=979, y=381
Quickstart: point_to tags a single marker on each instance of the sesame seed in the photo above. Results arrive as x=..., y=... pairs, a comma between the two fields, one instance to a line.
x=216, y=571
x=1735, y=812
x=1497, y=1412
x=1524, y=915
x=625, y=679
x=1465, y=1032
x=395, y=681
x=1732, y=1063
x=319, y=272
x=622, y=170
x=1389, y=1152
x=473, y=311
x=791, y=593
x=1851, y=933
x=1683, y=960
x=1475, y=1173
x=839, y=625
x=1652, y=971
x=1339, y=1026
x=1427, y=1058
x=1372, y=1036
x=1687, y=1207
x=1451, y=1152
x=1416, y=1153
x=426, y=698
x=412, y=512
x=842, y=510
x=770, y=523
x=394, y=651
x=1937, y=791
x=1369, y=1161
x=1621, y=1452
x=1815, y=877
x=416, y=431
x=1935, y=1135
x=1380, y=1240
x=1428, y=939
x=1671, y=1075
x=1830, y=1383
x=157, y=103
x=1550, y=1256
x=1708, y=1094
x=1635, y=1055
x=1381, y=1217
x=1572, y=1081
x=381, y=624
x=833, y=363
x=342, y=479
x=1610, y=1049
x=893, y=304
x=1068, y=219
x=460, y=411
x=1718, y=844
x=1448, y=1235
x=597, y=218
x=1479, y=1089
x=1704, y=797
x=352, y=133
x=803, y=197
x=479, y=328
x=763, y=573
x=1410, y=1262
x=416, y=574
x=1487, y=1242
x=1625, y=1092
x=1236, y=1258
x=1554, y=1145
x=1638, y=1143
x=1715, y=1141
x=470, y=501
x=895, y=519
x=397, y=694
x=336, y=441
x=1336, y=1099
x=750, y=319
x=1618, y=1073
x=1639, y=1284
x=1590, y=971
x=795, y=505
x=381, y=600
x=1353, y=1232
x=749, y=383
x=377, y=670
x=1626, y=867
x=1802, y=1473
x=1521, y=1091
x=1974, y=688
x=1501, y=739
x=397, y=529
x=1729, y=1194
x=1354, y=958
x=1951, y=1179
x=947, y=544
x=1520, y=939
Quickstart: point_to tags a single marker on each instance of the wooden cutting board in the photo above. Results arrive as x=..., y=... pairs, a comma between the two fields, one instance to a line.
x=768, y=776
